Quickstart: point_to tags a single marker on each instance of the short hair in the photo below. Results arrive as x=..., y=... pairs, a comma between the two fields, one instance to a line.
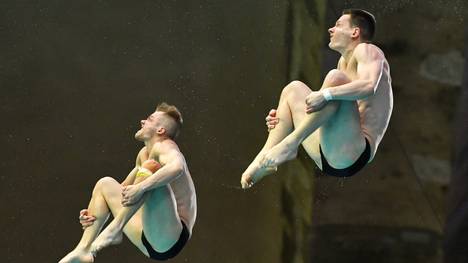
x=174, y=114
x=364, y=20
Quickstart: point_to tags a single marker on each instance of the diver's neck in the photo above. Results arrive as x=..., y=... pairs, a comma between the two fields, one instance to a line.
x=347, y=53
x=151, y=142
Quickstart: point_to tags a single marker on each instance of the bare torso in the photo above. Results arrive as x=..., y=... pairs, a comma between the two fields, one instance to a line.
x=375, y=110
x=183, y=189
x=184, y=192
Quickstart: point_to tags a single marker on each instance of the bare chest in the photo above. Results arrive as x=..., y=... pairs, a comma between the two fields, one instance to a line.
x=143, y=156
x=349, y=68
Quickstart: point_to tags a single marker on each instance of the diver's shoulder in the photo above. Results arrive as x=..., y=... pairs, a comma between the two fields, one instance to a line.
x=368, y=50
x=168, y=145
x=367, y=47
x=142, y=152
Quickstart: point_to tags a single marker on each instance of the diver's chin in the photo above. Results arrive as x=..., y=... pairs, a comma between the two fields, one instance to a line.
x=139, y=136
x=336, y=48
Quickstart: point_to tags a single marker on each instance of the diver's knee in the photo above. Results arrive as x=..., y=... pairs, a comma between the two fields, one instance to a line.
x=292, y=88
x=103, y=182
x=335, y=77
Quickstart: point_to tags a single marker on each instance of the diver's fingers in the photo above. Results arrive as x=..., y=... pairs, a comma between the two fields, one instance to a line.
x=272, y=113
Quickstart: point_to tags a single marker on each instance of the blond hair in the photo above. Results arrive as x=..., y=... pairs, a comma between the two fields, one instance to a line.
x=174, y=115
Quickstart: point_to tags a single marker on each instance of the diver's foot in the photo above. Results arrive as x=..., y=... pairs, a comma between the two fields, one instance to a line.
x=284, y=151
x=111, y=235
x=78, y=256
x=254, y=174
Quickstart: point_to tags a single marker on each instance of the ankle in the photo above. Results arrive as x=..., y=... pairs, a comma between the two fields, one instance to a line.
x=293, y=140
x=118, y=223
x=82, y=247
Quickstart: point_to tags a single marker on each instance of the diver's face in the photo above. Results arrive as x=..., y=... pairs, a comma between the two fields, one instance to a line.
x=342, y=33
x=149, y=126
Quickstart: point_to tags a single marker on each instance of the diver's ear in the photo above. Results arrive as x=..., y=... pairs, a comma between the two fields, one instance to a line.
x=161, y=131
x=356, y=32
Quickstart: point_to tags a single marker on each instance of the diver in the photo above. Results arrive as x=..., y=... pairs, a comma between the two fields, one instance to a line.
x=155, y=206
x=341, y=125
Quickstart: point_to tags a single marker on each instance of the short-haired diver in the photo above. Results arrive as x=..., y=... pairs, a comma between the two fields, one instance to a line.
x=155, y=206
x=340, y=126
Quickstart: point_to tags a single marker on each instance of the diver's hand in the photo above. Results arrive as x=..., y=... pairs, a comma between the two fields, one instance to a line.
x=86, y=219
x=271, y=120
x=315, y=101
x=131, y=194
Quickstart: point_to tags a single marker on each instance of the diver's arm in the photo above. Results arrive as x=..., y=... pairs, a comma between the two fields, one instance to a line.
x=369, y=70
x=131, y=176
x=173, y=167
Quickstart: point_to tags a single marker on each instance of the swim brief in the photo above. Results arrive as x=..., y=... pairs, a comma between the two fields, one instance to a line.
x=173, y=251
x=349, y=171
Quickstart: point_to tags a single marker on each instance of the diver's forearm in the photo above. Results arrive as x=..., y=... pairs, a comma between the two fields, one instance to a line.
x=354, y=90
x=163, y=176
x=130, y=177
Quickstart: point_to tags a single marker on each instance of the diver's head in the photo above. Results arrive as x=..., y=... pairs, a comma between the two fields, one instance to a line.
x=353, y=27
x=165, y=122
